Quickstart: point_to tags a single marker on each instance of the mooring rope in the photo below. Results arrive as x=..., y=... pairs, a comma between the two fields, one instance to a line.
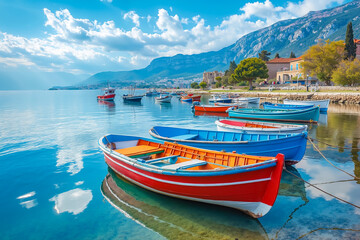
x=317, y=149
x=340, y=199
x=334, y=146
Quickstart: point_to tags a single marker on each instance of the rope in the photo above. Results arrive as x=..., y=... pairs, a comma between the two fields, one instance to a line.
x=318, y=229
x=317, y=149
x=340, y=199
x=327, y=144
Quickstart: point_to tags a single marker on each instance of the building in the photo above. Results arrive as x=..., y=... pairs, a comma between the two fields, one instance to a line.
x=209, y=77
x=277, y=64
x=357, y=44
x=293, y=73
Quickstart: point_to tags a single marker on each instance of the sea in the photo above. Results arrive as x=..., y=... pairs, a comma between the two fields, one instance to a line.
x=55, y=184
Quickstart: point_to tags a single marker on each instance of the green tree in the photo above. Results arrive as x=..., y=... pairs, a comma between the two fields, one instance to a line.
x=350, y=47
x=322, y=59
x=264, y=55
x=218, y=84
x=348, y=73
x=277, y=55
x=203, y=85
x=194, y=85
x=292, y=55
x=249, y=69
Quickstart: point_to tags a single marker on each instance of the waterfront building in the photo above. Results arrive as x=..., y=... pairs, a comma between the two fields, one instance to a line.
x=277, y=64
x=209, y=77
x=293, y=74
x=357, y=44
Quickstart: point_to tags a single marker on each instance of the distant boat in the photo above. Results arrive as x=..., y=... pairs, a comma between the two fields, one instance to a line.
x=220, y=99
x=237, y=105
x=150, y=93
x=211, y=108
x=247, y=100
x=191, y=98
x=163, y=98
x=323, y=104
x=310, y=115
x=131, y=97
x=268, y=105
x=247, y=183
x=292, y=145
x=258, y=127
x=108, y=95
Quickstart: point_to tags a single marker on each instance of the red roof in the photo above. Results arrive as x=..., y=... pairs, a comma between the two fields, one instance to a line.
x=296, y=59
x=357, y=41
x=280, y=60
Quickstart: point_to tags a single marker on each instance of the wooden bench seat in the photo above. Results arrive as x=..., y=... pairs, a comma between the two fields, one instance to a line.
x=139, y=151
x=184, y=165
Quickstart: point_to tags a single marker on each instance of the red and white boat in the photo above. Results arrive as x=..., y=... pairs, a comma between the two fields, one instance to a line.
x=109, y=94
x=211, y=108
x=191, y=98
x=248, y=183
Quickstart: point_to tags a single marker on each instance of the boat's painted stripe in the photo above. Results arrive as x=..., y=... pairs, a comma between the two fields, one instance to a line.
x=272, y=119
x=257, y=209
x=190, y=184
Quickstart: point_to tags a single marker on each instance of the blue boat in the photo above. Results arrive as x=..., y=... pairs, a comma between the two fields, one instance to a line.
x=274, y=106
x=220, y=99
x=310, y=115
x=292, y=145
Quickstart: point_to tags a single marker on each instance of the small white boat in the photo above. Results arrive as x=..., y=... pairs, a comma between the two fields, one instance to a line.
x=220, y=99
x=323, y=104
x=258, y=127
x=247, y=100
x=238, y=105
x=163, y=98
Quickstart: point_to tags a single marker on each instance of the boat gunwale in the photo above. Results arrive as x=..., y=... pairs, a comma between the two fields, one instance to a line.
x=271, y=112
x=282, y=129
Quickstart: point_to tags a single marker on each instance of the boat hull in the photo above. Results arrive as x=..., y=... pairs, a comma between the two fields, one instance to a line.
x=292, y=147
x=280, y=128
x=132, y=98
x=163, y=100
x=109, y=97
x=191, y=98
x=323, y=104
x=215, y=109
x=310, y=115
x=285, y=106
x=219, y=100
x=247, y=100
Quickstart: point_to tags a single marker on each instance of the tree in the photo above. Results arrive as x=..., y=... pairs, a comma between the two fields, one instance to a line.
x=264, y=55
x=322, y=59
x=277, y=55
x=348, y=73
x=231, y=69
x=203, y=85
x=292, y=55
x=194, y=85
x=249, y=69
x=350, y=47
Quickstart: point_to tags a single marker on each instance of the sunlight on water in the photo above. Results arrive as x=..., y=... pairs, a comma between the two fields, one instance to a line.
x=55, y=183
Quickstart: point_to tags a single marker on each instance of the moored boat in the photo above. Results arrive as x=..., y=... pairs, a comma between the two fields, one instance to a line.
x=292, y=145
x=255, y=100
x=237, y=105
x=220, y=99
x=211, y=108
x=258, y=127
x=268, y=105
x=108, y=95
x=163, y=98
x=191, y=98
x=323, y=104
x=132, y=98
x=310, y=115
x=247, y=183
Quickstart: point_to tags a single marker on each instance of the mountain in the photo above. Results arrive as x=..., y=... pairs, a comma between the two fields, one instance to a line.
x=295, y=35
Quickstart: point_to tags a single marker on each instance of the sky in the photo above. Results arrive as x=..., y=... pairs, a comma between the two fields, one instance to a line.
x=83, y=37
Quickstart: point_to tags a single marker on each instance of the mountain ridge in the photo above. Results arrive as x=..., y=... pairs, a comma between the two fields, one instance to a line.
x=282, y=37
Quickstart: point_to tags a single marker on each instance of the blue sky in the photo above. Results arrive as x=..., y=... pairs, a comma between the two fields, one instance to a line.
x=83, y=37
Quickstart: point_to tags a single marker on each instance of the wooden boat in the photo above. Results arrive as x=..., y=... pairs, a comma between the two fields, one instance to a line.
x=108, y=95
x=292, y=145
x=132, y=98
x=247, y=183
x=237, y=105
x=247, y=100
x=191, y=98
x=174, y=218
x=211, y=114
x=211, y=108
x=151, y=93
x=274, y=106
x=323, y=104
x=310, y=115
x=258, y=127
x=220, y=99
x=163, y=98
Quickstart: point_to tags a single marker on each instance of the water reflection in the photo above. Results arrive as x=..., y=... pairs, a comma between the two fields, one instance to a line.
x=176, y=218
x=292, y=186
x=74, y=201
x=323, y=119
x=26, y=202
x=212, y=114
x=108, y=105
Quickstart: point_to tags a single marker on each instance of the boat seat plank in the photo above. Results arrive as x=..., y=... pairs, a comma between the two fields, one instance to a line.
x=139, y=151
x=184, y=165
x=170, y=158
x=186, y=137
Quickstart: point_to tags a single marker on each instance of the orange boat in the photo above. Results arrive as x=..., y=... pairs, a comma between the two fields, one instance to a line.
x=210, y=108
x=191, y=98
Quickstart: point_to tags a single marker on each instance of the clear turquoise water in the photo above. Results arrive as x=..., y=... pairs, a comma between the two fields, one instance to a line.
x=52, y=173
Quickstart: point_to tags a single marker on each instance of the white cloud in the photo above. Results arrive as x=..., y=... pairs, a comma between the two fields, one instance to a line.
x=81, y=45
x=133, y=16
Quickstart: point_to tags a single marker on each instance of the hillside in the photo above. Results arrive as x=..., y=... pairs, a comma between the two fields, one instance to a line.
x=295, y=35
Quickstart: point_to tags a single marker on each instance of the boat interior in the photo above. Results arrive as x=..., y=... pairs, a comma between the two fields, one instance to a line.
x=172, y=156
x=213, y=136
